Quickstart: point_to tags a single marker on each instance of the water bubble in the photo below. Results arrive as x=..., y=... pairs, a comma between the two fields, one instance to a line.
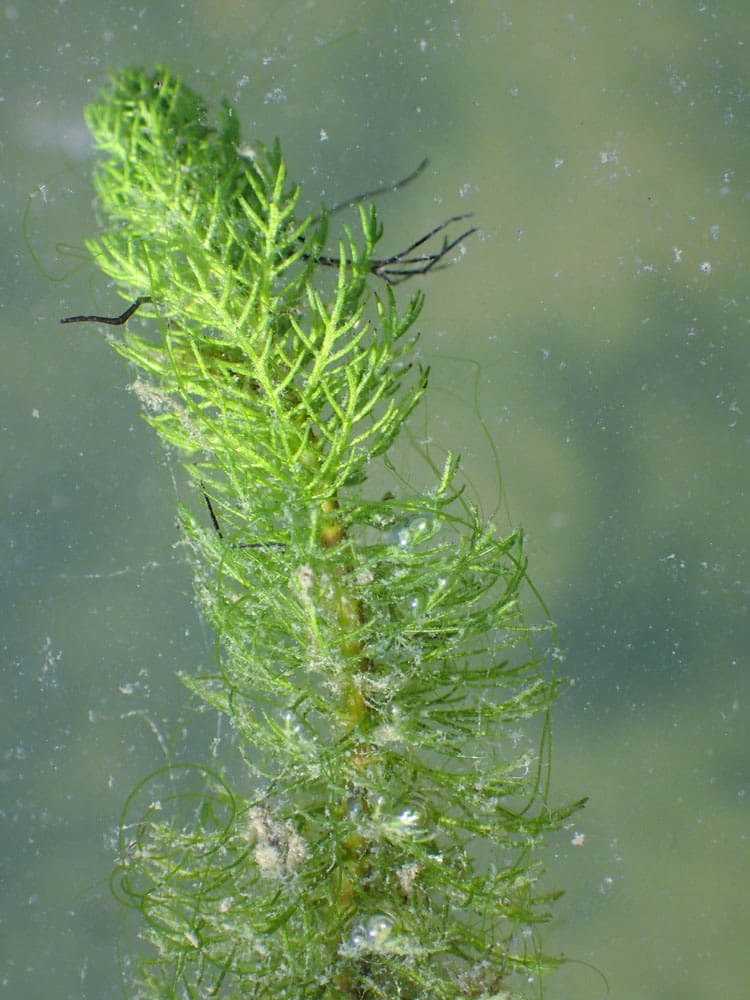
x=379, y=929
x=416, y=602
x=357, y=939
x=412, y=531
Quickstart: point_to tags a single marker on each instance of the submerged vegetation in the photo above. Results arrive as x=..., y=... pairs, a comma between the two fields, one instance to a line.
x=379, y=839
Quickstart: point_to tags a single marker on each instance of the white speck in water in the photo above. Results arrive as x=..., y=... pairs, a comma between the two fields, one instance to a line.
x=48, y=673
x=275, y=96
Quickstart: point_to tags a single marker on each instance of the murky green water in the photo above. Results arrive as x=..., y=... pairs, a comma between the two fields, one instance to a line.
x=606, y=157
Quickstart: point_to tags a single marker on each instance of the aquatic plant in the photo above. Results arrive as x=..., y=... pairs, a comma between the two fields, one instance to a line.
x=379, y=838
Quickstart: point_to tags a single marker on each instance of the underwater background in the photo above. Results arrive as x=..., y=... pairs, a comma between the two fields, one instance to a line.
x=590, y=363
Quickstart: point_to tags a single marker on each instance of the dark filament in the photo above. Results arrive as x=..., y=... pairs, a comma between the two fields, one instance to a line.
x=111, y=320
x=236, y=545
x=393, y=270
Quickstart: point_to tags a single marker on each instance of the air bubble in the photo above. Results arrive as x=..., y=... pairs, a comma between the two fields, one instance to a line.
x=357, y=940
x=413, y=531
x=379, y=929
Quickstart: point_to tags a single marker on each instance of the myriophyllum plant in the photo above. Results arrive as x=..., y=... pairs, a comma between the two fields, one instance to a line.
x=378, y=839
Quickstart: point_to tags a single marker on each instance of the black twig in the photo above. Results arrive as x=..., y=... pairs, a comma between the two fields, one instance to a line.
x=235, y=545
x=142, y=300
x=368, y=195
x=401, y=266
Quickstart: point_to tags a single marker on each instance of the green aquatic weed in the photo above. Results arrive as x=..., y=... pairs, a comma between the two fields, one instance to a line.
x=372, y=655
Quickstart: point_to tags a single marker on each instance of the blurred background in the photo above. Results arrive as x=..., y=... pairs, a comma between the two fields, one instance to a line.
x=595, y=335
